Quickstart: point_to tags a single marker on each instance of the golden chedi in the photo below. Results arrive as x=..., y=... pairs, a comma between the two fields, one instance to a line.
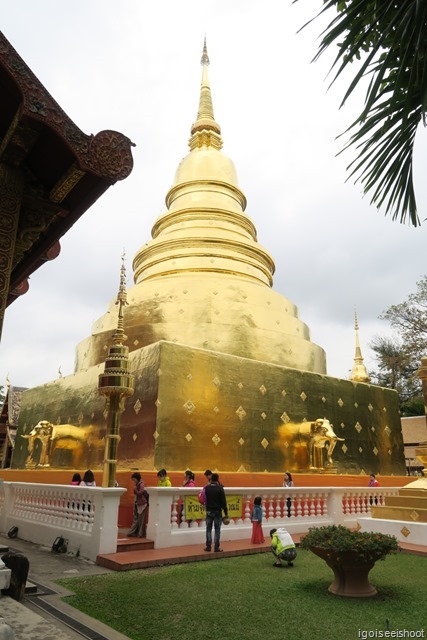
x=225, y=373
x=203, y=280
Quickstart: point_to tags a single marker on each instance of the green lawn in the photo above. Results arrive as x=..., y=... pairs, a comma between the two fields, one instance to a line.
x=245, y=597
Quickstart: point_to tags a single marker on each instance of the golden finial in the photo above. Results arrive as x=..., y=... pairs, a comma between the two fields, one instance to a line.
x=60, y=372
x=7, y=381
x=359, y=372
x=119, y=335
x=356, y=323
x=205, y=131
x=205, y=58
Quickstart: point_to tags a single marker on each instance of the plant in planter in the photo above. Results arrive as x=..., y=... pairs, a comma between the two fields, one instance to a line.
x=351, y=555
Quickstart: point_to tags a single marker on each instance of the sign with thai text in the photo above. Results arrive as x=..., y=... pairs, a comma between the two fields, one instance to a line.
x=193, y=510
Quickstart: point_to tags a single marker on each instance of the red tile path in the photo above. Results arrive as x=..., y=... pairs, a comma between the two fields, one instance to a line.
x=136, y=558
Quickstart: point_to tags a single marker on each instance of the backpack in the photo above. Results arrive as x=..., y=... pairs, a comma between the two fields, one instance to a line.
x=202, y=496
x=60, y=545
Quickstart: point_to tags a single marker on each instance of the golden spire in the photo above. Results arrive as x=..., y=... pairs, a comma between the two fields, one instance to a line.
x=119, y=335
x=205, y=229
x=116, y=383
x=205, y=131
x=117, y=379
x=359, y=372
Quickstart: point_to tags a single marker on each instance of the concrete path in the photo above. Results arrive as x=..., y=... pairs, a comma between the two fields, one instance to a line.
x=43, y=616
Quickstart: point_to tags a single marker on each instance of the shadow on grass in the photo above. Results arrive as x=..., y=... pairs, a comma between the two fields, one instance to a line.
x=318, y=590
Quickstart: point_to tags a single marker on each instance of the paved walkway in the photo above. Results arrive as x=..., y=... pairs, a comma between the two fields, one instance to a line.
x=44, y=616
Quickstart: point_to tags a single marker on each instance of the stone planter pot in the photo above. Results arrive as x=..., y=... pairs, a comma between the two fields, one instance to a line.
x=350, y=573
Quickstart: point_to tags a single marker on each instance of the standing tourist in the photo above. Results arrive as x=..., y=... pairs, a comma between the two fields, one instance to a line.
x=189, y=479
x=256, y=517
x=373, y=482
x=76, y=479
x=164, y=480
x=88, y=479
x=288, y=482
x=215, y=504
x=139, y=527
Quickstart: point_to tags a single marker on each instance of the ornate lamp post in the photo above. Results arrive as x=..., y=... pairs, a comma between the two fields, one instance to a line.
x=116, y=383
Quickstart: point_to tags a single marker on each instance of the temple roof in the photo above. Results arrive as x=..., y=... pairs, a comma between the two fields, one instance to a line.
x=63, y=170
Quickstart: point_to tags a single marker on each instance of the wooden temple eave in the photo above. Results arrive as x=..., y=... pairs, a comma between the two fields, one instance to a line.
x=50, y=173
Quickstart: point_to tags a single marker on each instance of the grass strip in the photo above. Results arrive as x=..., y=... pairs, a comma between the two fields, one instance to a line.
x=245, y=597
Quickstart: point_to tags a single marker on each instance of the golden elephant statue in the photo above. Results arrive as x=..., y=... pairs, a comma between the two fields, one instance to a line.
x=63, y=445
x=317, y=439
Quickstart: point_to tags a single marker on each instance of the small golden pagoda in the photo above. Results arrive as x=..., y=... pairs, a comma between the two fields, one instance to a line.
x=225, y=373
x=359, y=372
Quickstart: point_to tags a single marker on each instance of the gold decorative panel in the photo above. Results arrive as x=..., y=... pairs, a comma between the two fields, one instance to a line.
x=177, y=427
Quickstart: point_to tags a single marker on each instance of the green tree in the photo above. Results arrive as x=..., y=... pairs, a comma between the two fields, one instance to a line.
x=409, y=319
x=399, y=358
x=397, y=370
x=388, y=39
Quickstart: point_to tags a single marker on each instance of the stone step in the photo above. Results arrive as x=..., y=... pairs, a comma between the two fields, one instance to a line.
x=134, y=544
x=30, y=588
x=402, y=501
x=129, y=560
x=408, y=513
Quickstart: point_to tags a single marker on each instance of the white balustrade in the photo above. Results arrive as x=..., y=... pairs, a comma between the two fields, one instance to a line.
x=85, y=516
x=297, y=509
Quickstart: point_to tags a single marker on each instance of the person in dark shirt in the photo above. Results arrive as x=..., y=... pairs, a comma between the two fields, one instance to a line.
x=215, y=504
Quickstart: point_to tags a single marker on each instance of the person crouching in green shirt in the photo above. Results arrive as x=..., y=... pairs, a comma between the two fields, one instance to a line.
x=282, y=547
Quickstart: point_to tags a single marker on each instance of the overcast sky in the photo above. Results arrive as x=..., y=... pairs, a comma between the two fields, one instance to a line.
x=134, y=66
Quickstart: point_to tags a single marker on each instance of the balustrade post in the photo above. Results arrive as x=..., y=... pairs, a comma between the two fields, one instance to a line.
x=271, y=499
x=106, y=515
x=278, y=508
x=174, y=514
x=159, y=528
x=335, y=506
x=247, y=518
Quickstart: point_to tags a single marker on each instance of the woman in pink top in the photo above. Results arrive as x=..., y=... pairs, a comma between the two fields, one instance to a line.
x=189, y=478
x=373, y=482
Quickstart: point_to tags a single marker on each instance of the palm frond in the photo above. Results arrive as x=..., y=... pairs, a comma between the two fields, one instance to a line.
x=389, y=38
